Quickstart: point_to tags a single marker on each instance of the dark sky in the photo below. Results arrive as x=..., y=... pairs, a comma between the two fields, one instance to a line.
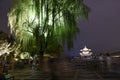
x=4, y=7
x=100, y=32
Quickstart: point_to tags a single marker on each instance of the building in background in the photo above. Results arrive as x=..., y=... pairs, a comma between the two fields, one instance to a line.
x=86, y=53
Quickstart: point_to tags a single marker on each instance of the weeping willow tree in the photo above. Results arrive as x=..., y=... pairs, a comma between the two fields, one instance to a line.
x=42, y=26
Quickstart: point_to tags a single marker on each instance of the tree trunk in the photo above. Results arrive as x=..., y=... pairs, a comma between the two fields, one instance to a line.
x=41, y=61
x=44, y=64
x=13, y=64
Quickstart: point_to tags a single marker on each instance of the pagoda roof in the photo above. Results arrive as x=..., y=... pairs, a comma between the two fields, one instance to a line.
x=85, y=49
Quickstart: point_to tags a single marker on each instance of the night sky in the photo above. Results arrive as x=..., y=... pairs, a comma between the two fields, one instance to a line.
x=100, y=33
x=4, y=8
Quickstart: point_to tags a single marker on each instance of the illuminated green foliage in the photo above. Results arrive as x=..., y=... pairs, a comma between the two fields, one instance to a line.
x=40, y=24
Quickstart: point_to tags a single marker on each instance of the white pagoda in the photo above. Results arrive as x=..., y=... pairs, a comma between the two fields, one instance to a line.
x=86, y=52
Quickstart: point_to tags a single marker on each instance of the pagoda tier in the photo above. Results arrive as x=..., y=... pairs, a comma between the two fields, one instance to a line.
x=85, y=52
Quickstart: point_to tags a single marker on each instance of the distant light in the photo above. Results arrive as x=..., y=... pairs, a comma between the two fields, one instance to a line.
x=16, y=59
x=116, y=56
x=85, y=52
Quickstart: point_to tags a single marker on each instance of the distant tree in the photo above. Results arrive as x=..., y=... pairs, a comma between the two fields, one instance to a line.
x=43, y=25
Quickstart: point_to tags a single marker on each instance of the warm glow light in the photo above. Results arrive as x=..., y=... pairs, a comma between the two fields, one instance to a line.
x=16, y=59
x=116, y=56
